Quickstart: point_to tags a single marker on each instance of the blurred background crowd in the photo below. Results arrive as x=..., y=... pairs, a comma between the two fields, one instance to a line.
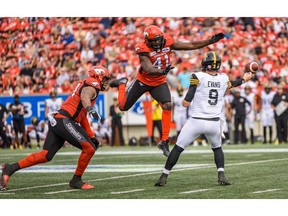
x=39, y=54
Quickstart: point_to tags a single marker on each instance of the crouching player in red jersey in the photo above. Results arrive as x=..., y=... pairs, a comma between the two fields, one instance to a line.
x=63, y=126
x=154, y=55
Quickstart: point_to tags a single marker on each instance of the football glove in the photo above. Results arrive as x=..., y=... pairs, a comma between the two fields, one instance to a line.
x=92, y=113
x=96, y=142
x=167, y=69
x=216, y=37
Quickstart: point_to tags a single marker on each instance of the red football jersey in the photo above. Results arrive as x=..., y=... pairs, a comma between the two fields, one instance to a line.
x=159, y=58
x=73, y=103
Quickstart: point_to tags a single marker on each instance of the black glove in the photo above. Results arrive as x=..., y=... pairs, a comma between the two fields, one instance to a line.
x=167, y=69
x=216, y=37
x=92, y=113
x=96, y=142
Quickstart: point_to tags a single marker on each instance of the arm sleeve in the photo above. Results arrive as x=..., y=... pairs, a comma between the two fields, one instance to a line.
x=85, y=124
x=194, y=81
x=237, y=82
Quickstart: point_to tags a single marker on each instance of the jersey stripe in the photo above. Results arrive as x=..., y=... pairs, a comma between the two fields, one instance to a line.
x=194, y=81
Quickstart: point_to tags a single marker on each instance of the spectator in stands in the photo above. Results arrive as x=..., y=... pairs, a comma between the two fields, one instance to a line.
x=184, y=78
x=68, y=37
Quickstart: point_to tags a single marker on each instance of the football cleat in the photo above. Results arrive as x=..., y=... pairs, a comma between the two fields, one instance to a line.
x=162, y=180
x=6, y=172
x=222, y=179
x=115, y=83
x=164, y=146
x=77, y=183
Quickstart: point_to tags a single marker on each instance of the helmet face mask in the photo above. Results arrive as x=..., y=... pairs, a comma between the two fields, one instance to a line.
x=154, y=37
x=211, y=62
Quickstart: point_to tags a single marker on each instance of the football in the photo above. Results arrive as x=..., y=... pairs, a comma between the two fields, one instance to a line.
x=251, y=67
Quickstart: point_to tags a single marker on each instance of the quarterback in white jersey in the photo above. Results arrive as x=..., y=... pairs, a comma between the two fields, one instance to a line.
x=267, y=113
x=53, y=103
x=207, y=90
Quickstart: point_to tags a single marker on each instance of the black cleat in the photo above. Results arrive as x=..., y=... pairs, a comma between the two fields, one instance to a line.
x=6, y=173
x=77, y=183
x=164, y=146
x=162, y=180
x=222, y=179
x=115, y=83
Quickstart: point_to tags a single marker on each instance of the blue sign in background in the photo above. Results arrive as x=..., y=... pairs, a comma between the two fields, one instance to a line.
x=35, y=105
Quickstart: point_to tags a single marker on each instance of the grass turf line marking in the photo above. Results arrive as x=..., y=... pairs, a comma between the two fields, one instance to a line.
x=130, y=191
x=252, y=155
x=195, y=191
x=6, y=193
x=265, y=191
x=62, y=191
x=151, y=173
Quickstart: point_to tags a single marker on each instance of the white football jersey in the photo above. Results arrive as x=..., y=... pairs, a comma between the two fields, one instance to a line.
x=53, y=105
x=266, y=100
x=177, y=101
x=251, y=98
x=209, y=96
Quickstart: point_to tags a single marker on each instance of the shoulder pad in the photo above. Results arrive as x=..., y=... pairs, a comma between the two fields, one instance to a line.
x=93, y=82
x=194, y=80
x=141, y=47
x=169, y=40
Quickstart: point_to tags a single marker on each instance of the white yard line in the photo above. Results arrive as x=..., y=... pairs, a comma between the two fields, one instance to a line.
x=195, y=191
x=150, y=173
x=252, y=155
x=6, y=193
x=130, y=191
x=265, y=191
x=62, y=191
x=156, y=151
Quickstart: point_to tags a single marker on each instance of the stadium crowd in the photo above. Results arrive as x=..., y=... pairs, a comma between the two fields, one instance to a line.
x=38, y=55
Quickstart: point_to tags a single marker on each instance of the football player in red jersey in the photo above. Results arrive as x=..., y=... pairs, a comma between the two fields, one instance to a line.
x=64, y=126
x=154, y=54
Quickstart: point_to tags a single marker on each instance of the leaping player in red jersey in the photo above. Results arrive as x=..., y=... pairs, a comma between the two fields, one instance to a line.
x=154, y=54
x=63, y=126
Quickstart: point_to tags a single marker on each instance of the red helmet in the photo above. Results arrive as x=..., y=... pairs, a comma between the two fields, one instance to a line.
x=154, y=37
x=98, y=72
x=101, y=74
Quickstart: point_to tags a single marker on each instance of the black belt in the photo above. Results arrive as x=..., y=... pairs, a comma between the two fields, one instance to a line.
x=208, y=119
x=65, y=113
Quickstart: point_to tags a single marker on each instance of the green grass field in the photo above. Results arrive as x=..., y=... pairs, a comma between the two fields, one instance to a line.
x=255, y=171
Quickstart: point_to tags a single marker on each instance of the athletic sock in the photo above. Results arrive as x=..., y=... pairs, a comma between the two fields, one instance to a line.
x=32, y=159
x=173, y=158
x=122, y=96
x=218, y=157
x=166, y=124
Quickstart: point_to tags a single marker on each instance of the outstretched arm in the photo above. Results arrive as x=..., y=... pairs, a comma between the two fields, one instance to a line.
x=246, y=77
x=197, y=44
